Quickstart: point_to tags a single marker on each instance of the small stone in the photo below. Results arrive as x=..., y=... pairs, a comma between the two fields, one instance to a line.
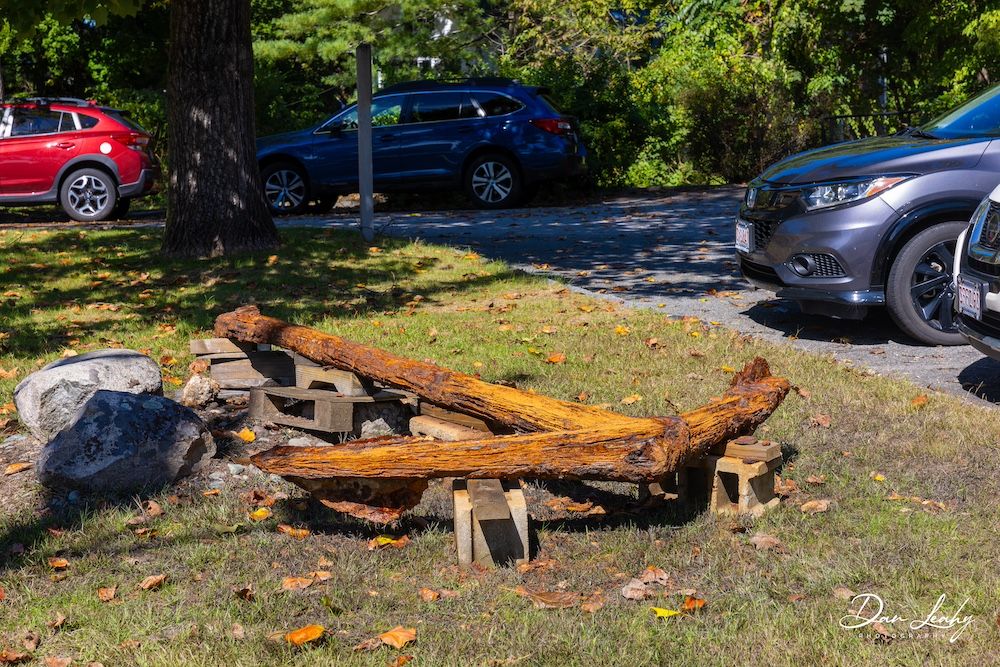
x=235, y=468
x=216, y=484
x=306, y=441
x=199, y=391
x=218, y=474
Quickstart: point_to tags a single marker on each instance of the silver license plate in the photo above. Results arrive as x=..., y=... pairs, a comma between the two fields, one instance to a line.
x=971, y=294
x=744, y=236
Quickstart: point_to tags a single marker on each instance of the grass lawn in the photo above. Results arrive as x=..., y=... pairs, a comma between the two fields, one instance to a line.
x=875, y=447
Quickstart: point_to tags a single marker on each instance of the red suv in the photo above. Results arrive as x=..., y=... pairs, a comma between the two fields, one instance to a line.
x=90, y=160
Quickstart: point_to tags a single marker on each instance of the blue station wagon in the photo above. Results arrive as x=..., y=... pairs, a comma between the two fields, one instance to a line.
x=495, y=139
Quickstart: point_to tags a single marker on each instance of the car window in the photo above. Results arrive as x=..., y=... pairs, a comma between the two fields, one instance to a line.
x=433, y=107
x=28, y=122
x=978, y=117
x=385, y=111
x=495, y=104
x=87, y=122
x=122, y=117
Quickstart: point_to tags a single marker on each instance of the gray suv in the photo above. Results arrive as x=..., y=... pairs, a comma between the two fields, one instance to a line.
x=874, y=222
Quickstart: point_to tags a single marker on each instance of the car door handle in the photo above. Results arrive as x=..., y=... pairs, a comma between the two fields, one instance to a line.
x=65, y=145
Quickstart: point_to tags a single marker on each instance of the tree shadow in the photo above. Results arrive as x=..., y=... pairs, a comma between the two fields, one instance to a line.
x=982, y=379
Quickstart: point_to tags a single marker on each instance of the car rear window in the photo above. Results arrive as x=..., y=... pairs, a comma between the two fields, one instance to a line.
x=87, y=122
x=550, y=103
x=496, y=104
x=123, y=118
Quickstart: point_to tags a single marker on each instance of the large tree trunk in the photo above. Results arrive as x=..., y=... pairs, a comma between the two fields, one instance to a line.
x=215, y=203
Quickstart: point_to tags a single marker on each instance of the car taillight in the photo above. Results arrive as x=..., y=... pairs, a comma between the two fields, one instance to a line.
x=553, y=125
x=133, y=140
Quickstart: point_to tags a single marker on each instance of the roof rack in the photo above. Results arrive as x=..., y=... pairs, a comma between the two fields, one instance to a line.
x=76, y=101
x=443, y=83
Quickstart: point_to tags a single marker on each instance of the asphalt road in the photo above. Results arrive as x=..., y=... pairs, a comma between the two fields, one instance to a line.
x=676, y=249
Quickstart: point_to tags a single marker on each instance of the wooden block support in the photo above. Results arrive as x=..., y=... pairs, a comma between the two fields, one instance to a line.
x=310, y=409
x=318, y=377
x=736, y=486
x=491, y=522
x=758, y=451
x=203, y=346
x=442, y=430
x=254, y=369
x=454, y=417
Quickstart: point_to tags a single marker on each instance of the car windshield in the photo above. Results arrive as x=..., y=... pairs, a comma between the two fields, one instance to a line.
x=979, y=117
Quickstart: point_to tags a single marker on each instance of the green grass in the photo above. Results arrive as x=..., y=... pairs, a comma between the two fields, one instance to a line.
x=476, y=316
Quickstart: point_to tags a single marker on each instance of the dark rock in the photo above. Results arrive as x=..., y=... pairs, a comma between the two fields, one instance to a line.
x=121, y=442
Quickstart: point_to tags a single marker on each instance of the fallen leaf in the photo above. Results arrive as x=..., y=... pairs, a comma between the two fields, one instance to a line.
x=296, y=583
x=3, y=594
x=211, y=492
x=664, y=613
x=804, y=393
x=884, y=633
x=238, y=632
x=586, y=308
x=152, y=582
x=401, y=660
x=622, y=330
x=369, y=644
x=549, y=329
x=31, y=640
x=636, y=589
x=796, y=597
x=654, y=575
x=167, y=360
x=765, y=542
x=244, y=592
x=816, y=479
x=555, y=358
x=582, y=396
x=272, y=260
x=631, y=398
x=815, y=506
x=58, y=563
x=260, y=514
x=822, y=421
x=843, y=593
x=399, y=636
x=246, y=435
x=107, y=594
x=8, y=375
x=11, y=657
x=56, y=622
x=320, y=575
x=429, y=595
x=549, y=599
x=15, y=468
x=384, y=541
x=920, y=401
x=651, y=343
x=593, y=605
x=304, y=635
x=784, y=487
x=53, y=661
x=692, y=603
x=297, y=533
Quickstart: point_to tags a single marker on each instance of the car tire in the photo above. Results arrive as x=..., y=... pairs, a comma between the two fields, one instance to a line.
x=920, y=294
x=286, y=188
x=120, y=211
x=89, y=195
x=493, y=181
x=320, y=205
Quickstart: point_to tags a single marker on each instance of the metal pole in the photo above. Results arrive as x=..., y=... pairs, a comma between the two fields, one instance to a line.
x=365, y=177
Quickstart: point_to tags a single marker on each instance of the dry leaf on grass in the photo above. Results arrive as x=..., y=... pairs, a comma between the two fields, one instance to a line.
x=399, y=636
x=631, y=398
x=385, y=541
x=549, y=599
x=296, y=583
x=8, y=374
x=304, y=635
x=636, y=589
x=56, y=622
x=555, y=358
x=244, y=592
x=594, y=604
x=429, y=595
x=765, y=542
x=654, y=575
x=53, y=661
x=821, y=421
x=15, y=468
x=664, y=613
x=920, y=401
x=11, y=657
x=152, y=582
x=563, y=504
x=260, y=514
x=320, y=575
x=211, y=492
x=784, y=487
x=58, y=563
x=401, y=660
x=843, y=593
x=692, y=603
x=816, y=479
x=31, y=640
x=815, y=506
x=297, y=533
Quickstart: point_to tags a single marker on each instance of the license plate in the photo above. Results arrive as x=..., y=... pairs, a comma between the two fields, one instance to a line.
x=744, y=236
x=971, y=294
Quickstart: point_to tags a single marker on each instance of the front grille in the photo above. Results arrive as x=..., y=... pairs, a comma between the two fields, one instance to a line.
x=988, y=326
x=759, y=272
x=827, y=266
x=763, y=230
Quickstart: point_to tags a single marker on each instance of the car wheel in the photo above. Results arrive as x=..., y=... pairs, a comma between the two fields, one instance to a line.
x=121, y=208
x=920, y=294
x=285, y=188
x=320, y=205
x=88, y=195
x=493, y=181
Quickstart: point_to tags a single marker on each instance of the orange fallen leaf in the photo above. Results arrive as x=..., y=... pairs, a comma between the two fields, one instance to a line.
x=15, y=468
x=692, y=603
x=295, y=583
x=107, y=594
x=399, y=636
x=244, y=592
x=246, y=435
x=297, y=533
x=822, y=421
x=56, y=622
x=582, y=396
x=815, y=506
x=304, y=635
x=401, y=660
x=556, y=358
x=383, y=541
x=429, y=595
x=631, y=398
x=53, y=661
x=622, y=330
x=920, y=401
x=211, y=492
x=320, y=575
x=272, y=260
x=7, y=408
x=8, y=375
x=152, y=508
x=152, y=582
x=58, y=563
x=168, y=360
x=260, y=514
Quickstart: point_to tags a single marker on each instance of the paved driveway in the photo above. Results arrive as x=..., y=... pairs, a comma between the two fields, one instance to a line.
x=676, y=249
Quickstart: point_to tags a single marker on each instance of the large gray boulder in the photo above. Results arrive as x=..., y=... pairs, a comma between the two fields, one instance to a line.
x=120, y=442
x=48, y=398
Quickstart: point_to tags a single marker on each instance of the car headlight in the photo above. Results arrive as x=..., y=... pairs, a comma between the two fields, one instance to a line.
x=980, y=213
x=834, y=194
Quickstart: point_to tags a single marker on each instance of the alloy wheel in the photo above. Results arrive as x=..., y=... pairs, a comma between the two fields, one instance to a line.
x=492, y=182
x=88, y=195
x=931, y=286
x=284, y=189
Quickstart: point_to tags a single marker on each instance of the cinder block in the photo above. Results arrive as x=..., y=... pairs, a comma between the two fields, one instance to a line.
x=491, y=522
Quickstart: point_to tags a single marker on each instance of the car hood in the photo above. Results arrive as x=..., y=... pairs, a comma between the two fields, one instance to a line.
x=298, y=136
x=876, y=156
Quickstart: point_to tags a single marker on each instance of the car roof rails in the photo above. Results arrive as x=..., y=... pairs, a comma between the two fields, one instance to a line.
x=448, y=83
x=75, y=101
